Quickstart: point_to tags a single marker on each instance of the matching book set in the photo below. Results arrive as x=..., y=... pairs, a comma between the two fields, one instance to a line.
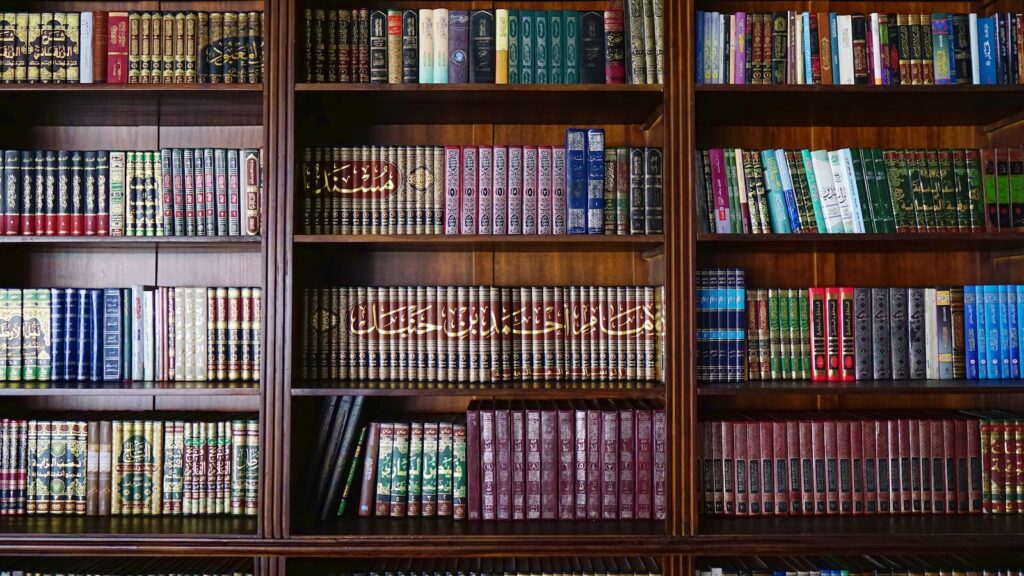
x=873, y=565
x=561, y=566
x=790, y=47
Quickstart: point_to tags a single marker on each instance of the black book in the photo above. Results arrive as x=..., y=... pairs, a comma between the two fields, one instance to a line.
x=102, y=198
x=343, y=456
x=916, y=334
x=50, y=191
x=898, y=333
x=410, y=47
x=653, y=183
x=481, y=47
x=27, y=192
x=379, y=47
x=961, y=47
x=636, y=190
x=317, y=463
x=89, y=191
x=77, y=193
x=592, y=48
x=862, y=339
x=12, y=195
x=779, y=55
x=880, y=340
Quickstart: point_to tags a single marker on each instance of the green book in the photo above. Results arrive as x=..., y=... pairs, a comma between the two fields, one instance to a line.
x=805, y=333
x=990, y=162
x=898, y=175
x=514, y=48
x=942, y=211
x=540, y=47
x=350, y=480
x=445, y=457
x=75, y=464
x=429, y=482
x=1002, y=181
x=920, y=187
x=795, y=333
x=812, y=189
x=556, y=50
x=785, y=336
x=459, y=475
x=415, y=469
x=963, y=201
x=193, y=445
x=863, y=194
x=13, y=320
x=5, y=338
x=571, y=46
x=775, y=334
x=384, y=464
x=975, y=195
x=735, y=216
x=884, y=192
x=526, y=62
x=61, y=472
x=36, y=334
x=867, y=170
x=400, y=470
x=947, y=183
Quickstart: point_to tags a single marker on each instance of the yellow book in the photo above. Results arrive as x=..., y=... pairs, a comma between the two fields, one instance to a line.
x=59, y=46
x=21, y=33
x=73, y=49
x=170, y=29
x=501, y=46
x=44, y=47
x=134, y=51
x=156, y=43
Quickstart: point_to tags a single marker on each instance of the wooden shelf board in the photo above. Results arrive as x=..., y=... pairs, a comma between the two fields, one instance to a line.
x=404, y=389
x=249, y=242
x=482, y=103
x=922, y=241
x=57, y=528
x=773, y=105
x=754, y=388
x=57, y=388
x=524, y=243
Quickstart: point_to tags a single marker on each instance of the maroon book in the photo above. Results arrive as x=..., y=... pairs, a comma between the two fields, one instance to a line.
x=368, y=485
x=728, y=471
x=593, y=462
x=819, y=457
x=903, y=456
x=843, y=450
x=766, y=452
x=488, y=488
x=580, y=462
x=644, y=462
x=533, y=463
x=974, y=463
x=781, y=471
x=947, y=465
x=627, y=463
x=517, y=429
x=895, y=468
x=707, y=472
x=660, y=467
x=924, y=442
x=963, y=492
x=857, y=470
x=883, y=497
x=473, y=477
x=917, y=480
x=609, y=464
x=566, y=469
x=753, y=467
x=549, y=463
x=503, y=462
x=831, y=466
x=798, y=473
x=869, y=462
x=739, y=447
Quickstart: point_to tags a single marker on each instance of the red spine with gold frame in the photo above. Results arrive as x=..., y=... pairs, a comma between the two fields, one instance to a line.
x=627, y=463
x=552, y=371
x=847, y=369
x=781, y=502
x=572, y=331
x=488, y=489
x=886, y=497
x=927, y=434
x=1017, y=448
x=857, y=468
x=538, y=366
x=904, y=472
x=728, y=469
x=644, y=460
x=601, y=363
x=593, y=461
x=845, y=465
x=505, y=334
x=753, y=467
x=830, y=438
x=622, y=339
x=819, y=457
x=659, y=470
x=872, y=488
x=517, y=335
x=566, y=443
x=472, y=336
x=609, y=462
x=450, y=343
x=503, y=461
x=582, y=364
x=833, y=341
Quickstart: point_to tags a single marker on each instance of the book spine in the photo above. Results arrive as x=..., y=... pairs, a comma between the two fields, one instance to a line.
x=595, y=181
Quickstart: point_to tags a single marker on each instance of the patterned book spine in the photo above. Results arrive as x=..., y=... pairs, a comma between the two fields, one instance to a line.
x=445, y=463
x=609, y=443
x=499, y=191
x=459, y=479
x=559, y=207
x=468, y=191
x=252, y=166
x=595, y=180
x=533, y=440
x=576, y=180
x=515, y=190
x=234, y=192
x=452, y=186
x=545, y=204
x=485, y=190
x=529, y=189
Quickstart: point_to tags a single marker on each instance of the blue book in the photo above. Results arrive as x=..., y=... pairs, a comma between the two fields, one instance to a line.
x=776, y=200
x=1019, y=289
x=738, y=337
x=126, y=333
x=970, y=333
x=808, y=75
x=988, y=50
x=84, y=353
x=595, y=181
x=1004, y=331
x=789, y=194
x=526, y=55
x=698, y=68
x=576, y=179
x=832, y=27
x=70, y=329
x=96, y=338
x=982, y=329
x=57, y=333
x=992, y=330
x=1013, y=329
x=112, y=334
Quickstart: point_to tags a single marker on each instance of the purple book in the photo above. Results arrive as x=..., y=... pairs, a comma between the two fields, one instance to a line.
x=458, y=46
x=740, y=61
x=720, y=191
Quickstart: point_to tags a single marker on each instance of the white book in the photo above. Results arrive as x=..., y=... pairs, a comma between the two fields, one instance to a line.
x=931, y=336
x=844, y=34
x=201, y=333
x=826, y=185
x=852, y=191
x=85, y=55
x=876, y=51
x=835, y=160
x=136, y=332
x=741, y=181
x=975, y=56
x=179, y=334
x=731, y=56
x=440, y=38
x=188, y=350
x=148, y=338
x=159, y=319
x=426, y=46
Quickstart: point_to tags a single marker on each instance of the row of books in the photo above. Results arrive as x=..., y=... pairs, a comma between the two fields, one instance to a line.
x=877, y=49
x=873, y=565
x=846, y=334
x=167, y=192
x=129, y=467
x=137, y=333
x=132, y=47
x=858, y=463
x=860, y=190
x=502, y=46
x=583, y=565
x=584, y=188
x=486, y=335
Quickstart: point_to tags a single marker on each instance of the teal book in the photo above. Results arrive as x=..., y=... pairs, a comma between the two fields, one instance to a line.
x=776, y=201
x=415, y=469
x=540, y=47
x=428, y=482
x=526, y=47
x=513, y=47
x=812, y=184
x=571, y=46
x=445, y=462
x=556, y=52
x=884, y=192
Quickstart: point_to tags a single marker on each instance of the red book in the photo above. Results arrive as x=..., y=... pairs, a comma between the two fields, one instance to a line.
x=503, y=462
x=609, y=464
x=627, y=463
x=660, y=468
x=819, y=457
x=886, y=497
x=923, y=465
x=557, y=336
x=798, y=438
x=614, y=62
x=869, y=460
x=905, y=456
x=452, y=187
x=831, y=437
x=947, y=468
x=815, y=54
x=832, y=333
x=533, y=464
x=593, y=462
x=580, y=466
x=857, y=474
x=100, y=45
x=781, y=470
x=974, y=466
x=997, y=445
x=847, y=369
x=753, y=467
x=473, y=462
x=549, y=464
x=843, y=451
x=566, y=469
x=488, y=489
x=766, y=452
x=728, y=469
x=896, y=493
x=117, y=48
x=644, y=464
x=718, y=495
x=961, y=466
x=517, y=428
x=739, y=446
x=1014, y=447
